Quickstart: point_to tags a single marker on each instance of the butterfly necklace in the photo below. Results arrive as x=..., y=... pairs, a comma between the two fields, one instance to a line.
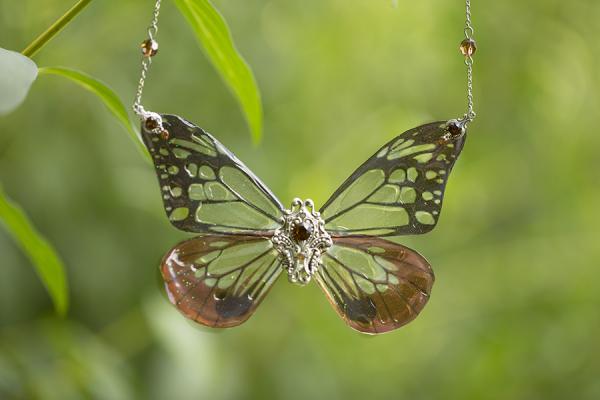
x=247, y=238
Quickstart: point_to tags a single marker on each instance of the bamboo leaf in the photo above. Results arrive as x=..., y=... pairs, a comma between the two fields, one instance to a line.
x=17, y=74
x=215, y=38
x=104, y=93
x=46, y=261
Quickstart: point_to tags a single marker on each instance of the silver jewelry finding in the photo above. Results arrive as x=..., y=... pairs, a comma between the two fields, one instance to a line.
x=301, y=241
x=468, y=48
x=149, y=50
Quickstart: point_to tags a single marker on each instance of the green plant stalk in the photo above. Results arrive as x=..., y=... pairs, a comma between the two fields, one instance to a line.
x=55, y=28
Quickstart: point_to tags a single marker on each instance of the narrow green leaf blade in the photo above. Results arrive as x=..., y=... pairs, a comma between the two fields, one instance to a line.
x=46, y=261
x=104, y=93
x=215, y=38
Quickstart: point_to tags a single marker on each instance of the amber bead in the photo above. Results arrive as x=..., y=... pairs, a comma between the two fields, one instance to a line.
x=149, y=48
x=151, y=124
x=456, y=128
x=164, y=134
x=468, y=47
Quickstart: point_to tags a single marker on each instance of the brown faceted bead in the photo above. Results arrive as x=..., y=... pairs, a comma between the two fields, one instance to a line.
x=151, y=124
x=149, y=48
x=456, y=128
x=468, y=47
x=301, y=232
x=164, y=134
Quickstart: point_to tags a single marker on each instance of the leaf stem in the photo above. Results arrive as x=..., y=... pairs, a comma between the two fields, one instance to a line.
x=55, y=28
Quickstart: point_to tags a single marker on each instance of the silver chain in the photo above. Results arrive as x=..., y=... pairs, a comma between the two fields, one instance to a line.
x=144, y=115
x=146, y=62
x=469, y=32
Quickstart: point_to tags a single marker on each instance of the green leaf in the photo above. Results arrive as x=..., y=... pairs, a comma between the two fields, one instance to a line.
x=17, y=74
x=106, y=94
x=45, y=259
x=215, y=38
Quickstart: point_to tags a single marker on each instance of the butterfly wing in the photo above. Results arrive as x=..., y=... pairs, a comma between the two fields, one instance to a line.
x=219, y=280
x=206, y=189
x=399, y=190
x=375, y=285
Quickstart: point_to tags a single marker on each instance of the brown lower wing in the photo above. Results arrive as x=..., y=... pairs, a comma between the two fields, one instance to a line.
x=218, y=281
x=375, y=285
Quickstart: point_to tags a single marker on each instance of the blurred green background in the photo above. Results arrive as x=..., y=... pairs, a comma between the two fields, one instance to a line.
x=515, y=311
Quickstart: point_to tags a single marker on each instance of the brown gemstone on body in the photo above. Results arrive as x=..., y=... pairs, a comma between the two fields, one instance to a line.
x=164, y=134
x=468, y=47
x=302, y=231
x=149, y=48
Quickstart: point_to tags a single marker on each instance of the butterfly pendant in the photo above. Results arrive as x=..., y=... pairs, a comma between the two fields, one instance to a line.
x=247, y=238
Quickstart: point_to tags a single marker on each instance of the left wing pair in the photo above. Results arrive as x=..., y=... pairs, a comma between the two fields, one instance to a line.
x=220, y=277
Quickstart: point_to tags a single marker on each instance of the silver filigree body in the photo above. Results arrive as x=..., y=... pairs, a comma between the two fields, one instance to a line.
x=301, y=241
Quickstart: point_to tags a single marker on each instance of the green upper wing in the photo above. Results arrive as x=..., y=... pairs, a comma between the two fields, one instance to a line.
x=205, y=187
x=399, y=190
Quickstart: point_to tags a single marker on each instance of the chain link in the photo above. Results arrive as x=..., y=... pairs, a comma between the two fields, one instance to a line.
x=469, y=33
x=146, y=63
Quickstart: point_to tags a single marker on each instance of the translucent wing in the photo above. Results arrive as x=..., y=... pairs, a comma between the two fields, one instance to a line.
x=205, y=187
x=219, y=280
x=375, y=285
x=399, y=190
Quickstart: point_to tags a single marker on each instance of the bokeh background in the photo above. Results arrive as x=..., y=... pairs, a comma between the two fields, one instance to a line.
x=515, y=311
